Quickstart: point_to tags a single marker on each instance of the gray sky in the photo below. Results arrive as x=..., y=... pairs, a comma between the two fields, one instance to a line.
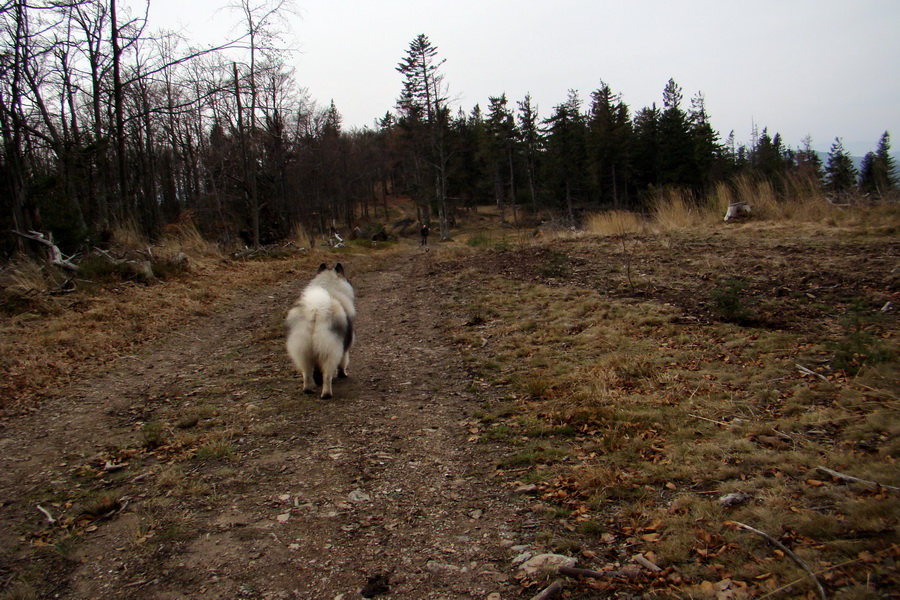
x=824, y=68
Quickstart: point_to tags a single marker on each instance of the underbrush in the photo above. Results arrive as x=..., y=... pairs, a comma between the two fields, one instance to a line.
x=654, y=432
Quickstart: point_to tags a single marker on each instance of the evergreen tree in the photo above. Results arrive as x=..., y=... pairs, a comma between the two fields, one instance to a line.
x=500, y=150
x=889, y=168
x=646, y=148
x=530, y=144
x=708, y=159
x=767, y=156
x=565, y=154
x=878, y=174
x=676, y=144
x=840, y=174
x=423, y=102
x=466, y=166
x=609, y=137
x=807, y=161
x=868, y=174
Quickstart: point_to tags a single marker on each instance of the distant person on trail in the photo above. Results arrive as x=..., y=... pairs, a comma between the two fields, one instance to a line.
x=424, y=233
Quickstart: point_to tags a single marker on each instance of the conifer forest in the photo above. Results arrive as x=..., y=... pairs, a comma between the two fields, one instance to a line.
x=104, y=122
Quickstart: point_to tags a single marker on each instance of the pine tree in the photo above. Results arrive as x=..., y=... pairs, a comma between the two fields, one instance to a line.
x=500, y=150
x=768, y=156
x=530, y=143
x=807, y=161
x=565, y=153
x=868, y=174
x=878, y=173
x=423, y=103
x=609, y=135
x=676, y=156
x=708, y=160
x=883, y=152
x=646, y=148
x=840, y=174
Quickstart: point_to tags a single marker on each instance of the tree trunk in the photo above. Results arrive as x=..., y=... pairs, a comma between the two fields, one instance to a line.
x=248, y=162
x=118, y=107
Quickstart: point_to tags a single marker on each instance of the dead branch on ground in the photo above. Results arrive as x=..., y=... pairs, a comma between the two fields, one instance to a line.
x=850, y=478
x=56, y=256
x=551, y=591
x=800, y=562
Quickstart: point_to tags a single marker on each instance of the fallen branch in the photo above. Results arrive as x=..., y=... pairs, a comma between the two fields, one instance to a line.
x=850, y=478
x=710, y=420
x=141, y=268
x=825, y=570
x=56, y=256
x=47, y=514
x=808, y=371
x=645, y=562
x=800, y=562
x=576, y=572
x=549, y=592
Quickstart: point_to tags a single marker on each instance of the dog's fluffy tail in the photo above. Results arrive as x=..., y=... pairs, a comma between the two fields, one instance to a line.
x=317, y=300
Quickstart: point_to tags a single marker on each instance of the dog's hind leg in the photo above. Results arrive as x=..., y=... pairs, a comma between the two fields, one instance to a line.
x=326, y=387
x=330, y=369
x=309, y=378
x=345, y=362
x=308, y=383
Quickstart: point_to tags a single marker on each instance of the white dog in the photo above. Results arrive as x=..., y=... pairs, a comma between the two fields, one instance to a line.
x=320, y=329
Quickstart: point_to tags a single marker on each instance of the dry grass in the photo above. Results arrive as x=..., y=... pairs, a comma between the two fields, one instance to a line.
x=47, y=341
x=45, y=347
x=300, y=236
x=625, y=414
x=615, y=222
x=802, y=201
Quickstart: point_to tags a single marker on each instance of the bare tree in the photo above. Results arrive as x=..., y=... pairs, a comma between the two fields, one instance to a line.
x=260, y=20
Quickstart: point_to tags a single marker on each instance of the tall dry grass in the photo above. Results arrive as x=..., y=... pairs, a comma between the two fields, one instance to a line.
x=616, y=222
x=301, y=236
x=674, y=209
x=800, y=199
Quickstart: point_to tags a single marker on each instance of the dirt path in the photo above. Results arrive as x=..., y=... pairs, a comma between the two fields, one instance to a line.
x=253, y=491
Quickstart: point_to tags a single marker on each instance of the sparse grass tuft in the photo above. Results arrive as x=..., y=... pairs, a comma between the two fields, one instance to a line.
x=555, y=264
x=727, y=300
x=101, y=505
x=153, y=435
x=25, y=286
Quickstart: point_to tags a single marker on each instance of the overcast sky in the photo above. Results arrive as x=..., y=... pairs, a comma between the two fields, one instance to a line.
x=824, y=68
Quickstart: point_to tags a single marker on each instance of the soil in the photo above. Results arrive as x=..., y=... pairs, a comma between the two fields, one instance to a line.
x=197, y=468
x=379, y=490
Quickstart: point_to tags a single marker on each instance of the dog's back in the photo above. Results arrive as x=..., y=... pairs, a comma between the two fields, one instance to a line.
x=320, y=329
